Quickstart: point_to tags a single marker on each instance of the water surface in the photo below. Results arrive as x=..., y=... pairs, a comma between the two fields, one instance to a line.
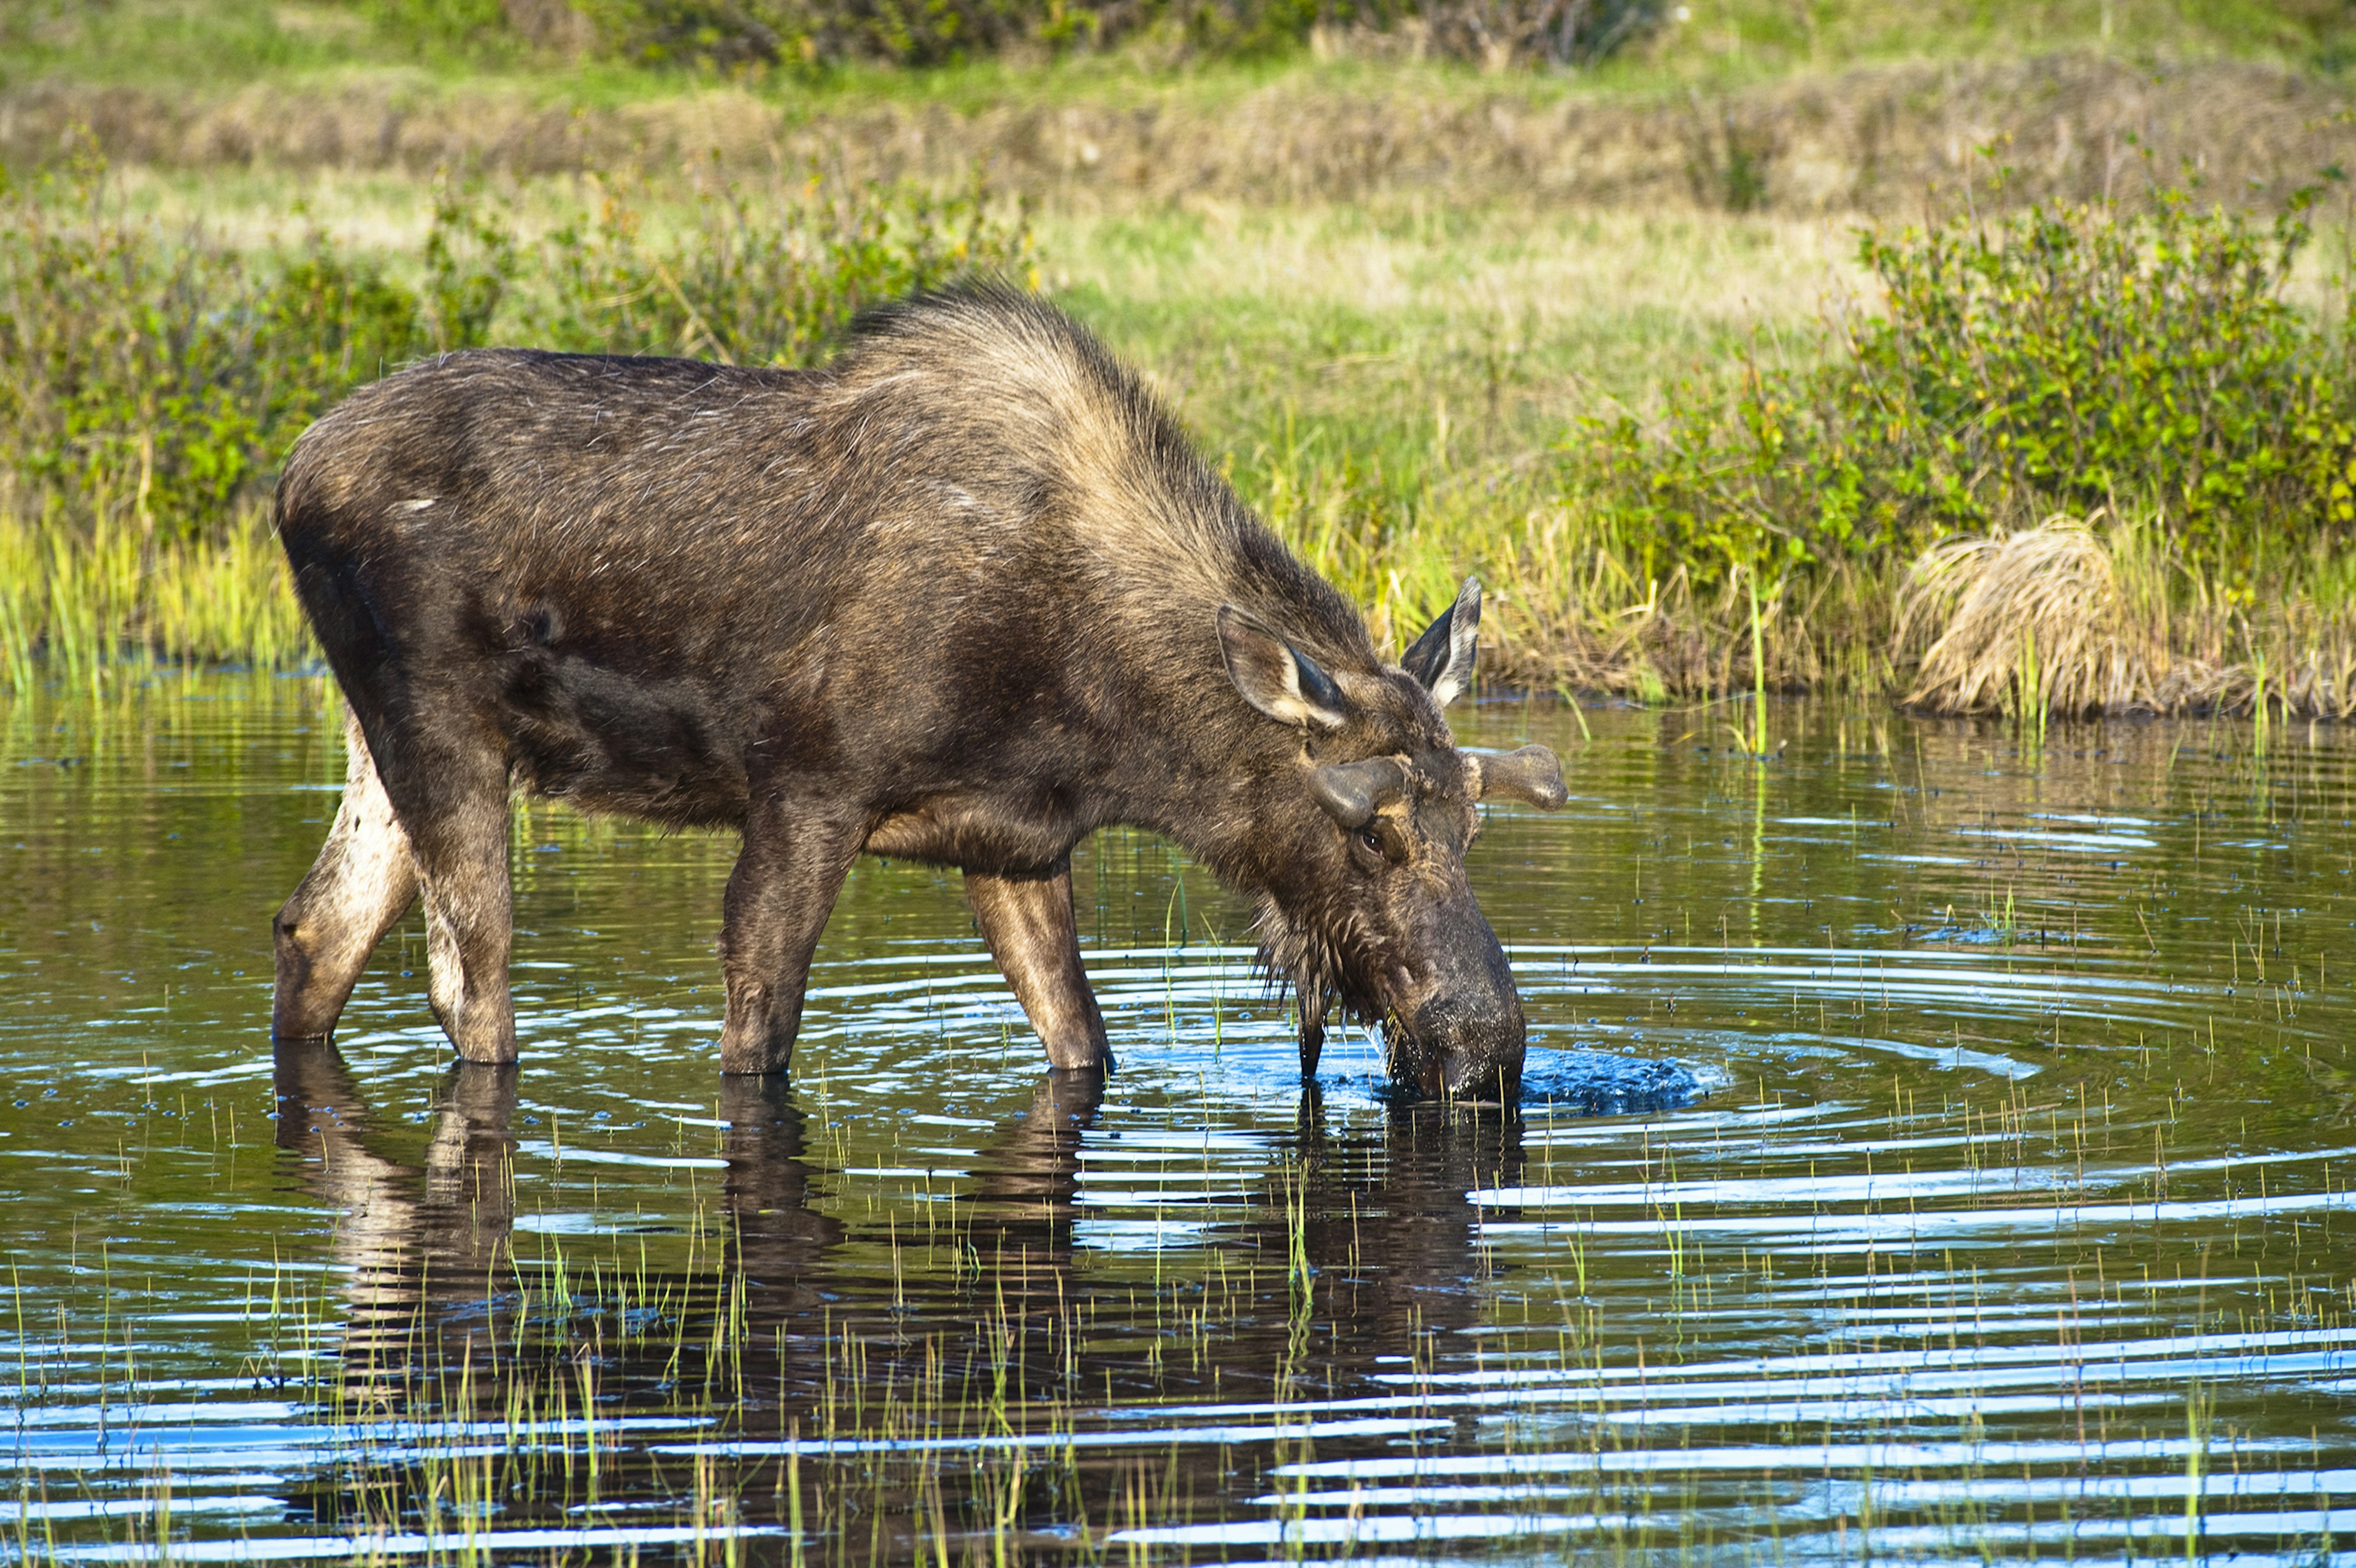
x=2012, y=1222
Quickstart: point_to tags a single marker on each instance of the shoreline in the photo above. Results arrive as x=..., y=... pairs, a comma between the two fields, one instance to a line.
x=2318, y=687
x=1864, y=141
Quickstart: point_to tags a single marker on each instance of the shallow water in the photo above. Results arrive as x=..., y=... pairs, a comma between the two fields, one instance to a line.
x=2012, y=1222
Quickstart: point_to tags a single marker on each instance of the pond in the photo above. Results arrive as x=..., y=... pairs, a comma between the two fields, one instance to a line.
x=1937, y=1148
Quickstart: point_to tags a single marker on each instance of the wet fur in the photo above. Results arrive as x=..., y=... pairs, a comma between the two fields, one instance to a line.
x=951, y=598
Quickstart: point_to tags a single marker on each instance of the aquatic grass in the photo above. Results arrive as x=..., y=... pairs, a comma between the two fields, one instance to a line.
x=1147, y=1494
x=86, y=608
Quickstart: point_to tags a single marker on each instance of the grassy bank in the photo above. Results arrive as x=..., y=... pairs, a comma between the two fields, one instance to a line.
x=1876, y=137
x=1671, y=413
x=1834, y=106
x=1642, y=462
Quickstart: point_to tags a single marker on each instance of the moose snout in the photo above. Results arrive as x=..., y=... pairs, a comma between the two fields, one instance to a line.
x=1471, y=1048
x=1464, y=1034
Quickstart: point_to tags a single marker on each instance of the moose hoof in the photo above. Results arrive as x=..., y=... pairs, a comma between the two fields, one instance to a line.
x=489, y=1047
x=753, y=1055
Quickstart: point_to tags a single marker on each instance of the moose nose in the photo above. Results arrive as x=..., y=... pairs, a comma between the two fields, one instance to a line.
x=1467, y=1027
x=1473, y=1047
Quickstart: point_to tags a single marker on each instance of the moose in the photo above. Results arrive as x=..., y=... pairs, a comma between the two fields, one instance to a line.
x=963, y=596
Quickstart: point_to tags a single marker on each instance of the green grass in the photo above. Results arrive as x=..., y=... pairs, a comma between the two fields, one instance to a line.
x=214, y=44
x=1379, y=324
x=88, y=599
x=1400, y=385
x=1401, y=376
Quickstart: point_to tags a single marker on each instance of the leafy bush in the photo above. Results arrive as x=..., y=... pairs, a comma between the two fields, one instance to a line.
x=172, y=376
x=167, y=377
x=2066, y=360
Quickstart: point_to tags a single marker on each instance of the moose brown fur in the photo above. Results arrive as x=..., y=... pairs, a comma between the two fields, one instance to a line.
x=963, y=597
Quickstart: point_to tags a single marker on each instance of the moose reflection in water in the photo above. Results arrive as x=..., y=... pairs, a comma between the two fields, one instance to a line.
x=2018, y=1230
x=794, y=1332
x=426, y=1251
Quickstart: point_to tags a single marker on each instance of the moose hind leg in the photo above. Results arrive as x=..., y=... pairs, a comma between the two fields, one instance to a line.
x=360, y=887
x=450, y=789
x=1034, y=935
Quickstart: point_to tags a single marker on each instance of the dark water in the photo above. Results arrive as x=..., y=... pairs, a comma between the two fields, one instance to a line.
x=2013, y=1223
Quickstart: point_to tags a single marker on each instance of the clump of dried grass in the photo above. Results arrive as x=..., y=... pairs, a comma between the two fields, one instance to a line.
x=2031, y=621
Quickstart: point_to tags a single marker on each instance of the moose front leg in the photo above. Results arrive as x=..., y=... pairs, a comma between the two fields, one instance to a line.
x=451, y=794
x=779, y=895
x=1035, y=938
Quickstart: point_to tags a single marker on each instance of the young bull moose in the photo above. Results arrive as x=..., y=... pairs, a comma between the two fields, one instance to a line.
x=962, y=597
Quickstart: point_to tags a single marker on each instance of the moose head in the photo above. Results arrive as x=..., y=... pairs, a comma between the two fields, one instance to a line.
x=1364, y=901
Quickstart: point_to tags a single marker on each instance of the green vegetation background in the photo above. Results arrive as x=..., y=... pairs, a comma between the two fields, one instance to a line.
x=1713, y=414
x=596, y=51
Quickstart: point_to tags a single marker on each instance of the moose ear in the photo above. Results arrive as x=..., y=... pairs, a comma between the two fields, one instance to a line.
x=1275, y=677
x=1443, y=657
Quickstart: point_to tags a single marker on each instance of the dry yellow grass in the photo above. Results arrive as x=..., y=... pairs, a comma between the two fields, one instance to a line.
x=2071, y=620
x=2031, y=621
x=1872, y=138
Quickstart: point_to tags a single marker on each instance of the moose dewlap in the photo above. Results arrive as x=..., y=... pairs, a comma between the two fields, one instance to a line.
x=963, y=597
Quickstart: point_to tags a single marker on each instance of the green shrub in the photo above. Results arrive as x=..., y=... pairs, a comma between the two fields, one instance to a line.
x=470, y=264
x=168, y=376
x=171, y=375
x=2064, y=359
